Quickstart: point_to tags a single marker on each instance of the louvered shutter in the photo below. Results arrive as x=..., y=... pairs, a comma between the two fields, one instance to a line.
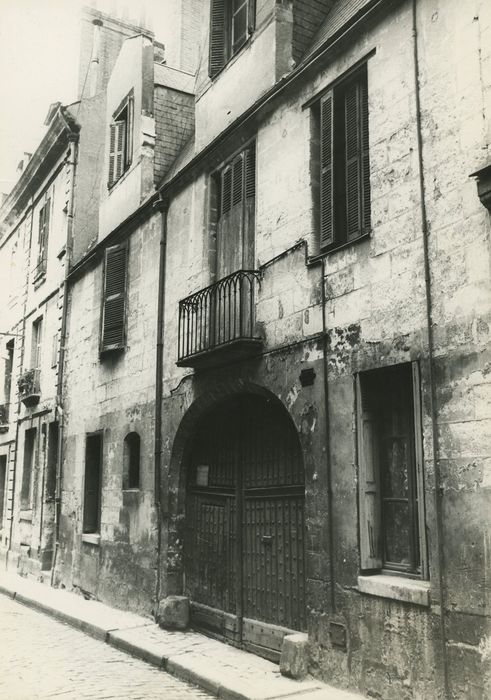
x=357, y=159
x=114, y=308
x=353, y=161
x=238, y=180
x=326, y=188
x=250, y=172
x=128, y=151
x=120, y=149
x=112, y=153
x=226, y=190
x=368, y=479
x=217, y=37
x=365, y=162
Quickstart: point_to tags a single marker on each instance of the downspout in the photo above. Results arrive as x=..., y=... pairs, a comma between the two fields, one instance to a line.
x=429, y=325
x=161, y=205
x=327, y=445
x=73, y=153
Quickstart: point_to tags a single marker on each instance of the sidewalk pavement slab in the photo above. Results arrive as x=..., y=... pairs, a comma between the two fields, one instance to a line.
x=226, y=672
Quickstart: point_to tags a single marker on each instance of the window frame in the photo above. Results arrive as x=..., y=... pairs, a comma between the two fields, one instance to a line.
x=36, y=343
x=132, y=454
x=44, y=222
x=28, y=467
x=370, y=497
x=334, y=203
x=121, y=140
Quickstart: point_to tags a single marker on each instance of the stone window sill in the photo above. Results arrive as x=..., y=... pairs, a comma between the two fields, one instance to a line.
x=91, y=538
x=407, y=590
x=26, y=515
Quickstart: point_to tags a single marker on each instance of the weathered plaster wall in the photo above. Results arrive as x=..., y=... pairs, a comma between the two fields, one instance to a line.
x=117, y=396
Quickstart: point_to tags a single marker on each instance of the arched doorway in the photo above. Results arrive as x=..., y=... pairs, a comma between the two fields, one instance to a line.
x=244, y=545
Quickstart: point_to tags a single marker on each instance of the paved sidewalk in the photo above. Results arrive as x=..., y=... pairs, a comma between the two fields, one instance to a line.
x=226, y=672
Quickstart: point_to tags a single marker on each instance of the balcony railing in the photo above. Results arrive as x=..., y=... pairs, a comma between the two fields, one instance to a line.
x=4, y=417
x=29, y=387
x=219, y=320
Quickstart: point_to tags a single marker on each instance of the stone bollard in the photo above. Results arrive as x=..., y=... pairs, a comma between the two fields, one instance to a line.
x=293, y=660
x=173, y=612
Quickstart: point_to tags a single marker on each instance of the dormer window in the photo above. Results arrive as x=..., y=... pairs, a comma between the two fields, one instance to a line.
x=231, y=24
x=121, y=140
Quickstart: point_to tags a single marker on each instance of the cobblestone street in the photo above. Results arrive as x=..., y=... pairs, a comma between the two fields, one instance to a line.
x=43, y=658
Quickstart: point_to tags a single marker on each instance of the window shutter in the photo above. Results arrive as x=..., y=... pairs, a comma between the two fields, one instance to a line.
x=251, y=16
x=129, y=133
x=327, y=208
x=120, y=148
x=112, y=153
x=353, y=161
x=226, y=190
x=217, y=36
x=365, y=162
x=368, y=479
x=238, y=180
x=114, y=307
x=250, y=172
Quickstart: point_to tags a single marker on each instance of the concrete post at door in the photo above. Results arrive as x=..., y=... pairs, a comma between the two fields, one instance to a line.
x=173, y=612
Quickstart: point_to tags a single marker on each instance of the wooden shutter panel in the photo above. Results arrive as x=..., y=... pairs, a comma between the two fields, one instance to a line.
x=112, y=153
x=250, y=172
x=368, y=479
x=217, y=37
x=226, y=190
x=114, y=311
x=120, y=148
x=365, y=160
x=326, y=185
x=353, y=161
x=128, y=151
x=238, y=180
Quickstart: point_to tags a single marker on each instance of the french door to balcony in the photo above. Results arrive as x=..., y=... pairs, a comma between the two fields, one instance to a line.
x=244, y=545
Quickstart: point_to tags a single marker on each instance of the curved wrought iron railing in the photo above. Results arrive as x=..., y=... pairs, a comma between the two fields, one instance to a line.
x=218, y=314
x=29, y=384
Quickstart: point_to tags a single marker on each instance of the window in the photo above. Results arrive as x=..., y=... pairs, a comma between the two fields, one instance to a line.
x=36, y=343
x=235, y=187
x=231, y=24
x=28, y=467
x=390, y=459
x=43, y=233
x=54, y=350
x=121, y=141
x=52, y=458
x=340, y=163
x=92, y=486
x=9, y=364
x=131, y=462
x=114, y=298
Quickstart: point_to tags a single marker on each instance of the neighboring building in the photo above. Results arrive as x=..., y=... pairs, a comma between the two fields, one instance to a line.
x=36, y=223
x=276, y=385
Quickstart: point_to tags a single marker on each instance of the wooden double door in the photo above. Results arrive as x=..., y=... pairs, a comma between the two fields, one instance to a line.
x=244, y=545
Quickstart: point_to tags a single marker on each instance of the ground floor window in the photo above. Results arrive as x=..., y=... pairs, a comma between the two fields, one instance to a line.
x=390, y=459
x=92, y=486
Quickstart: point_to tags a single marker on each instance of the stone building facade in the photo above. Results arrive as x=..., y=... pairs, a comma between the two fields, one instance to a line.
x=276, y=377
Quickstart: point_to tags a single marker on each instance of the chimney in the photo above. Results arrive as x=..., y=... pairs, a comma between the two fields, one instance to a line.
x=94, y=61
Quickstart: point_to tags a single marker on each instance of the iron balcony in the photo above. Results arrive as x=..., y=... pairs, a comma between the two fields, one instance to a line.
x=29, y=387
x=218, y=323
x=4, y=417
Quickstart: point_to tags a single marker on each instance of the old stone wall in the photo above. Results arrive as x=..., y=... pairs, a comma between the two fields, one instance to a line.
x=116, y=396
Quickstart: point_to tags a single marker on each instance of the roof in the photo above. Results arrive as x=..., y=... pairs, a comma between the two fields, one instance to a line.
x=173, y=78
x=341, y=13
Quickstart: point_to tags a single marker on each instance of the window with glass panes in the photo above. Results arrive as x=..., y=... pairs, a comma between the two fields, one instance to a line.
x=231, y=24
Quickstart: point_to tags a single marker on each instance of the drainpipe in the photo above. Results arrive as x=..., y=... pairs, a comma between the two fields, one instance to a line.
x=162, y=206
x=72, y=162
x=327, y=445
x=429, y=326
